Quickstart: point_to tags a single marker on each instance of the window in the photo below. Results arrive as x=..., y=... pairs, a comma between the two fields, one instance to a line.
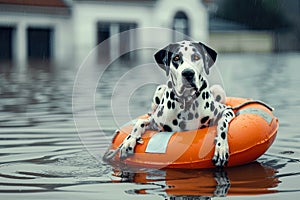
x=181, y=26
x=116, y=45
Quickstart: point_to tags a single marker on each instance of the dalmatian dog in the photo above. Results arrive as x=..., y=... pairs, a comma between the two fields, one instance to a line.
x=186, y=101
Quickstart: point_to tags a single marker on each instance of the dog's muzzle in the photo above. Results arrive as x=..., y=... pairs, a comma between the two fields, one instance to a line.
x=188, y=78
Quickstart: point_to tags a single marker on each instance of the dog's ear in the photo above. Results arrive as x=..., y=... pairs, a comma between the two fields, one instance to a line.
x=163, y=57
x=209, y=54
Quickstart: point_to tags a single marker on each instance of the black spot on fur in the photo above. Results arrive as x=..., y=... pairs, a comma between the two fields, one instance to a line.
x=219, y=144
x=208, y=122
x=224, y=125
x=203, y=86
x=218, y=98
x=129, y=136
x=157, y=101
x=162, y=108
x=167, y=94
x=159, y=88
x=216, y=112
x=197, y=104
x=167, y=128
x=169, y=104
x=223, y=135
x=186, y=48
x=182, y=125
x=160, y=112
x=179, y=116
x=201, y=78
x=173, y=105
x=203, y=126
x=172, y=95
x=162, y=101
x=196, y=115
x=218, y=117
x=206, y=105
x=135, y=130
x=175, y=122
x=169, y=84
x=212, y=106
x=142, y=125
x=204, y=119
x=193, y=106
x=190, y=116
x=203, y=95
x=130, y=148
x=227, y=155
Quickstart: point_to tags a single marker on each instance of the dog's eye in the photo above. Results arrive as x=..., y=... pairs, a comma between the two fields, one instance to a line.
x=176, y=58
x=196, y=57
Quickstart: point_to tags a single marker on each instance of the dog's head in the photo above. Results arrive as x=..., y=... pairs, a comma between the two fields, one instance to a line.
x=184, y=62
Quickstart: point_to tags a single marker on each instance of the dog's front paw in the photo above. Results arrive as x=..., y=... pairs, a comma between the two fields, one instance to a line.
x=221, y=154
x=128, y=145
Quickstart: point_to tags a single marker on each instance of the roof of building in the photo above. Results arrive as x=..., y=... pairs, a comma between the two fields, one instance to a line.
x=43, y=3
x=127, y=1
x=46, y=7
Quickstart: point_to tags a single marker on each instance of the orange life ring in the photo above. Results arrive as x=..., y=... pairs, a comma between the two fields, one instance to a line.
x=250, y=134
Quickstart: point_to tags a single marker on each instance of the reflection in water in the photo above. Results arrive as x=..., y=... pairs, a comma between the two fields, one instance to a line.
x=252, y=179
x=34, y=94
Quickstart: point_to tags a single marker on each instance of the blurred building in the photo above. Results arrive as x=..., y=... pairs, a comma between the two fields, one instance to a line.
x=228, y=36
x=279, y=32
x=287, y=40
x=60, y=29
x=34, y=29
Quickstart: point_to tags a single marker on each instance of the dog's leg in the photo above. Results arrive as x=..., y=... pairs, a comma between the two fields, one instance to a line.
x=129, y=143
x=221, y=154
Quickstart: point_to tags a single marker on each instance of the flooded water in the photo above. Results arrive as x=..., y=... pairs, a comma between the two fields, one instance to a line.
x=42, y=156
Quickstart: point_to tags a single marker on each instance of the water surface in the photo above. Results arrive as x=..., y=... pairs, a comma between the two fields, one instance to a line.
x=42, y=156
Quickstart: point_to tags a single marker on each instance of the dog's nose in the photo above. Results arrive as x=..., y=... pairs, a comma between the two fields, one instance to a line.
x=188, y=74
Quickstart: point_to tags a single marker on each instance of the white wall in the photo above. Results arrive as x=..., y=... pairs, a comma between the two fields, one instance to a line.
x=165, y=11
x=86, y=16
x=158, y=15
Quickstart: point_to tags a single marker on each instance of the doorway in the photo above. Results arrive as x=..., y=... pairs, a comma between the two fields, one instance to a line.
x=39, y=43
x=6, y=34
